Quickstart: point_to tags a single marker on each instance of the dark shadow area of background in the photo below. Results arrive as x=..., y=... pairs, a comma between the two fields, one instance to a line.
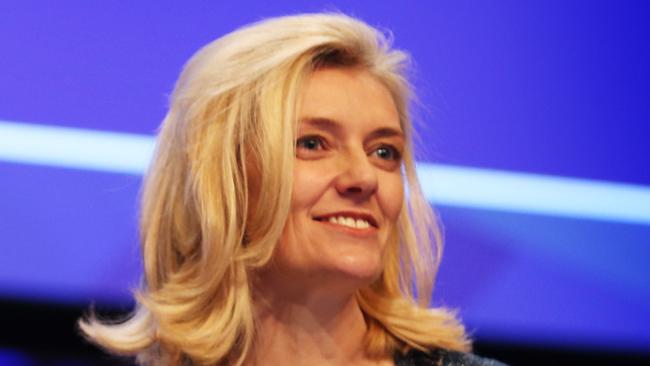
x=44, y=334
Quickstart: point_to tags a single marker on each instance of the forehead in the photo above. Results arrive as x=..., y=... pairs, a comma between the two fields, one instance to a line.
x=350, y=96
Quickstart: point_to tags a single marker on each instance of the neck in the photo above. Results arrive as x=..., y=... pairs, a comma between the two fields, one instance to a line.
x=308, y=329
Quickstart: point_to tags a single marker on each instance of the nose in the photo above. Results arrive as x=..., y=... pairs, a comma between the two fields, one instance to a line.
x=357, y=178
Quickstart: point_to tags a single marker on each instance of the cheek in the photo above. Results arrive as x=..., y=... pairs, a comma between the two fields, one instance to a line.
x=391, y=196
x=307, y=190
x=309, y=183
x=287, y=245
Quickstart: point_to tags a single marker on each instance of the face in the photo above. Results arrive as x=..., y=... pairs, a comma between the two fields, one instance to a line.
x=347, y=185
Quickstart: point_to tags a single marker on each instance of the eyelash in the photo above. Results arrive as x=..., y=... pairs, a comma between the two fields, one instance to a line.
x=301, y=141
x=396, y=155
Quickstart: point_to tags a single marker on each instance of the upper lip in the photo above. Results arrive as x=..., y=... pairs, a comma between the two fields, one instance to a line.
x=353, y=214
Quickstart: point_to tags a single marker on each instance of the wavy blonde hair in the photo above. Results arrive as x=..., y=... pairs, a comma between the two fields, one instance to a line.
x=231, y=126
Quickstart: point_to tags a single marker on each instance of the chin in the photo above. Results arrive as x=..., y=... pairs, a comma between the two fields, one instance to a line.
x=360, y=271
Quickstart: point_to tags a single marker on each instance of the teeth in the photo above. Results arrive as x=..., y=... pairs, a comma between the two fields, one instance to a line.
x=362, y=224
x=349, y=222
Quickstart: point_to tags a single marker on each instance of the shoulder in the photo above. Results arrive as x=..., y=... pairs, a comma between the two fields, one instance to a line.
x=440, y=357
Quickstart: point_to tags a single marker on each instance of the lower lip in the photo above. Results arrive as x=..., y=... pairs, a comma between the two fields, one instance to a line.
x=362, y=233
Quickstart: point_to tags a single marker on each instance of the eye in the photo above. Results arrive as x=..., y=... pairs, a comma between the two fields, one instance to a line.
x=387, y=152
x=311, y=147
x=310, y=143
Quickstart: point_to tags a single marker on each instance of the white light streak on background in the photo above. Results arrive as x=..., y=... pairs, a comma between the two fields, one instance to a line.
x=75, y=148
x=444, y=185
x=535, y=193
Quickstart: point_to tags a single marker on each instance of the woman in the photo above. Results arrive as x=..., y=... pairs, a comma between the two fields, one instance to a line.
x=275, y=226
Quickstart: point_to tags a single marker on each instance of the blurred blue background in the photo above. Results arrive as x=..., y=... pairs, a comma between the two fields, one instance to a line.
x=517, y=92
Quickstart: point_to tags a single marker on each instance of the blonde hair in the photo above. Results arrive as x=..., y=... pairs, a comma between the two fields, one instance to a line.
x=232, y=121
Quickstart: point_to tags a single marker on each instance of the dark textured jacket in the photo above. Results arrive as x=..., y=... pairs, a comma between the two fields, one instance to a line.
x=442, y=358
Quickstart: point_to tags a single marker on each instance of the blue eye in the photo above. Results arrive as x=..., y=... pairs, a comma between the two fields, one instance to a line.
x=310, y=143
x=386, y=152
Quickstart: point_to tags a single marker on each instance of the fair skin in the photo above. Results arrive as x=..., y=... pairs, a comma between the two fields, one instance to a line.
x=347, y=196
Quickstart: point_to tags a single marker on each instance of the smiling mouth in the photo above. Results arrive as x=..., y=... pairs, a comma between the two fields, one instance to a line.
x=348, y=221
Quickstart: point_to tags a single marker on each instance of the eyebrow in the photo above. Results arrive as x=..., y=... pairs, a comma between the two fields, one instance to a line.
x=334, y=126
